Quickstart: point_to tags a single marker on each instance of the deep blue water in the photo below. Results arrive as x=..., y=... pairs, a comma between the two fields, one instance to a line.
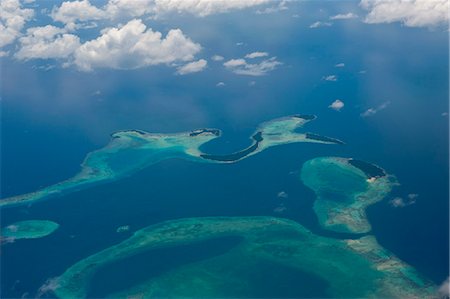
x=52, y=120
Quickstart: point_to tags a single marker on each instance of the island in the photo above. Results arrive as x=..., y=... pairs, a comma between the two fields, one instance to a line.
x=28, y=229
x=370, y=270
x=345, y=187
x=133, y=150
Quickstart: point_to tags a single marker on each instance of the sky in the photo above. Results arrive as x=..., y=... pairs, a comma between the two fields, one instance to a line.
x=374, y=72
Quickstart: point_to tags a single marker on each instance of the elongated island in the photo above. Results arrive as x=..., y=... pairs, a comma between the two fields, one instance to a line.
x=132, y=150
x=28, y=229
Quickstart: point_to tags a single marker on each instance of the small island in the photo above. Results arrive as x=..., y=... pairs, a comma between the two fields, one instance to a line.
x=344, y=189
x=133, y=150
x=371, y=270
x=29, y=229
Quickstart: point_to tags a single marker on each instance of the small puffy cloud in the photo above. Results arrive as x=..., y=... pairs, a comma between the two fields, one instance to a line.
x=373, y=111
x=217, y=58
x=332, y=78
x=444, y=113
x=239, y=44
x=280, y=209
x=346, y=16
x=220, y=84
x=71, y=12
x=134, y=46
x=412, y=13
x=320, y=24
x=276, y=8
x=242, y=67
x=444, y=288
x=192, y=67
x=336, y=105
x=48, y=42
x=282, y=194
x=256, y=55
x=399, y=202
x=12, y=20
x=339, y=64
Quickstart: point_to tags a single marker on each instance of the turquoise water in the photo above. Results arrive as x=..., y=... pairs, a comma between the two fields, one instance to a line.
x=49, y=126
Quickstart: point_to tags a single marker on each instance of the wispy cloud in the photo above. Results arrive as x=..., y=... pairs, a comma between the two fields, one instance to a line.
x=272, y=9
x=282, y=194
x=256, y=55
x=340, y=65
x=217, y=58
x=346, y=16
x=373, y=111
x=330, y=78
x=320, y=24
x=220, y=84
x=399, y=202
x=242, y=67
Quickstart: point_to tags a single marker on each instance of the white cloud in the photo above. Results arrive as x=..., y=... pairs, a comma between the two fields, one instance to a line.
x=239, y=44
x=444, y=288
x=242, y=67
x=192, y=67
x=412, y=13
x=47, y=42
x=268, y=10
x=202, y=8
x=282, y=194
x=256, y=55
x=133, y=46
x=320, y=24
x=373, y=111
x=399, y=202
x=83, y=10
x=217, y=58
x=330, y=78
x=339, y=64
x=346, y=16
x=12, y=20
x=336, y=105
x=71, y=12
x=220, y=84
x=444, y=114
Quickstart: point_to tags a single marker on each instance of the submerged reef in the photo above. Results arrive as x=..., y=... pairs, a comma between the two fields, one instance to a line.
x=133, y=150
x=29, y=229
x=344, y=189
x=358, y=268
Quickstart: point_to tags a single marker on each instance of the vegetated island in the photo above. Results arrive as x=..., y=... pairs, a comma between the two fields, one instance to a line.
x=344, y=189
x=358, y=268
x=29, y=229
x=132, y=150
